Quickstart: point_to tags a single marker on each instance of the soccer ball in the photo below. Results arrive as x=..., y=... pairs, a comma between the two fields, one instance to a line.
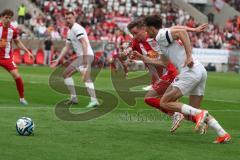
x=24, y=126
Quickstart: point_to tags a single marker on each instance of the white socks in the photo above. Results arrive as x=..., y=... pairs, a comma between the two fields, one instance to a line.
x=89, y=85
x=91, y=91
x=188, y=110
x=70, y=85
x=213, y=123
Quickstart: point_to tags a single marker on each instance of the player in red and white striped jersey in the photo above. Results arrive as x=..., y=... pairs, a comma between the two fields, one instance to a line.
x=9, y=33
x=162, y=74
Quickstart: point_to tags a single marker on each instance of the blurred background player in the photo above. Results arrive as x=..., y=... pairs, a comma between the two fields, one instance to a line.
x=78, y=39
x=9, y=33
x=191, y=79
x=116, y=59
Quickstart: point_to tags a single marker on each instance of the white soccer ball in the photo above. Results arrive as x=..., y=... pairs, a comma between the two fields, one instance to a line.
x=24, y=126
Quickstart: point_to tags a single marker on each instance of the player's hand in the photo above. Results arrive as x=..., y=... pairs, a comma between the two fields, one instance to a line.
x=189, y=62
x=84, y=65
x=31, y=56
x=54, y=63
x=136, y=54
x=201, y=28
x=83, y=69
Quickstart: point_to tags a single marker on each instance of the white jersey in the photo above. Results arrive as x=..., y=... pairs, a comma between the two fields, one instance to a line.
x=173, y=49
x=74, y=34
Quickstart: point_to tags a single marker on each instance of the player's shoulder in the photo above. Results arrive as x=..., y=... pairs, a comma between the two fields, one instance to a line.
x=14, y=28
x=153, y=43
x=163, y=32
x=77, y=26
x=164, y=36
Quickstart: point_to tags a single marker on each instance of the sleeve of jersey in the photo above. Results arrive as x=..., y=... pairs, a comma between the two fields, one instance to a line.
x=164, y=37
x=79, y=32
x=68, y=40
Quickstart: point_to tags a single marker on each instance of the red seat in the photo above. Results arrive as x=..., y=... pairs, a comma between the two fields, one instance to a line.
x=17, y=57
x=27, y=59
x=40, y=57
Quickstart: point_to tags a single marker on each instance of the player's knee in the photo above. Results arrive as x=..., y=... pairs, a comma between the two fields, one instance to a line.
x=15, y=75
x=164, y=99
x=147, y=100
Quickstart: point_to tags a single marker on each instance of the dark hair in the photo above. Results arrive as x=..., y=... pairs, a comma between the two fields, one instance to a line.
x=153, y=21
x=69, y=12
x=7, y=12
x=136, y=23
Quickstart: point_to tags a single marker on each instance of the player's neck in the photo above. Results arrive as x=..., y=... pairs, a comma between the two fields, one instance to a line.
x=70, y=25
x=5, y=24
x=145, y=36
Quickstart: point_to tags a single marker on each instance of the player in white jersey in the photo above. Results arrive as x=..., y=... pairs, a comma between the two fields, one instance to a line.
x=78, y=39
x=191, y=79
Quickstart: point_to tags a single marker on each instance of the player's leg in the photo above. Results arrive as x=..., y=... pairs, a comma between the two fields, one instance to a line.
x=195, y=101
x=152, y=97
x=113, y=63
x=89, y=84
x=124, y=65
x=19, y=84
x=11, y=67
x=223, y=136
x=185, y=83
x=69, y=82
x=168, y=101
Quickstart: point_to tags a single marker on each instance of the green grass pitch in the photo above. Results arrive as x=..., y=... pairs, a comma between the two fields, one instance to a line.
x=127, y=133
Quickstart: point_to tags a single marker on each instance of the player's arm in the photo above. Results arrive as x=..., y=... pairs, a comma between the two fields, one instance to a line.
x=160, y=62
x=62, y=54
x=183, y=36
x=200, y=28
x=21, y=46
x=85, y=50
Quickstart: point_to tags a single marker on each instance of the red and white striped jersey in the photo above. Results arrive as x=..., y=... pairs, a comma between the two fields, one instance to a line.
x=7, y=34
x=158, y=72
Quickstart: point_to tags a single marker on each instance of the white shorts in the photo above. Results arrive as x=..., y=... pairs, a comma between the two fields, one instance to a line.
x=191, y=81
x=78, y=63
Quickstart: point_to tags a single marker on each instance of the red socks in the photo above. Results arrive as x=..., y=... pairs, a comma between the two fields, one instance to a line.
x=20, y=88
x=190, y=118
x=155, y=102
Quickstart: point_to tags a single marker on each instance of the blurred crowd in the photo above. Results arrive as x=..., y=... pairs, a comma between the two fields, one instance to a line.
x=107, y=20
x=234, y=3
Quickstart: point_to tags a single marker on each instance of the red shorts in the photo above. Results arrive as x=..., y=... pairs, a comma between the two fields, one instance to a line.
x=161, y=87
x=8, y=64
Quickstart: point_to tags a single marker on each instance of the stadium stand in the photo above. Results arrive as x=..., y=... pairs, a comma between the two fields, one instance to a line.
x=118, y=13
x=105, y=21
x=234, y=3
